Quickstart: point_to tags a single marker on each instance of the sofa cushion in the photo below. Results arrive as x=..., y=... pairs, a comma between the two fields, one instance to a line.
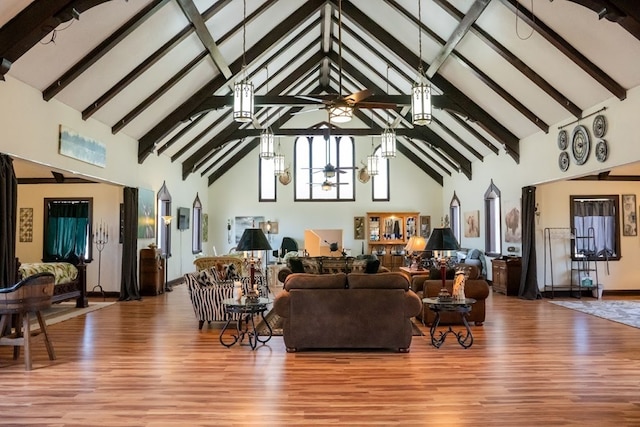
x=334, y=265
x=434, y=273
x=295, y=264
x=392, y=280
x=311, y=265
x=315, y=281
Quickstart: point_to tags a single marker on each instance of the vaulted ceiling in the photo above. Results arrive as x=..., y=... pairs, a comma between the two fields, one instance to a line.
x=161, y=71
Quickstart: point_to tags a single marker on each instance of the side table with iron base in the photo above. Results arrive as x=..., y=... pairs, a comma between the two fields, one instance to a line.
x=437, y=305
x=246, y=326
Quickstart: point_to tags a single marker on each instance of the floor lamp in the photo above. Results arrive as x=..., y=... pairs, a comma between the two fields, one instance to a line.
x=253, y=239
x=167, y=223
x=442, y=241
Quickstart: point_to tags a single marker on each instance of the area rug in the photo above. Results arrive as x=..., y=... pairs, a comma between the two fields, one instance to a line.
x=625, y=312
x=67, y=310
x=275, y=322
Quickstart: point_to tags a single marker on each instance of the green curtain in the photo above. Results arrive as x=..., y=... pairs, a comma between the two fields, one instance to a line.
x=67, y=231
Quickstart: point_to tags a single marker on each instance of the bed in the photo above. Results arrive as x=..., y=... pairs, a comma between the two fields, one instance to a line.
x=70, y=280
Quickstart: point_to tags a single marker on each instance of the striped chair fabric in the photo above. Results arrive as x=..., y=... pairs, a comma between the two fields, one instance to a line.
x=207, y=294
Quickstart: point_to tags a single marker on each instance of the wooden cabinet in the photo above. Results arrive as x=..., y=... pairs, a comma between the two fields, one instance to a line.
x=506, y=275
x=151, y=272
x=388, y=233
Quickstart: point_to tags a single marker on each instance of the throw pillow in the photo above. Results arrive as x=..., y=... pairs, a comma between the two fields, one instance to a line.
x=311, y=265
x=372, y=266
x=359, y=266
x=295, y=264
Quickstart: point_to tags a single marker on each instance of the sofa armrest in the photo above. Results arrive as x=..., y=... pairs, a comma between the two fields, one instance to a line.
x=283, y=273
x=413, y=304
x=417, y=282
x=281, y=303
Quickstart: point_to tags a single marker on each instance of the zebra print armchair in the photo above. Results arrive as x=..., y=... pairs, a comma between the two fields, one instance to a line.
x=207, y=292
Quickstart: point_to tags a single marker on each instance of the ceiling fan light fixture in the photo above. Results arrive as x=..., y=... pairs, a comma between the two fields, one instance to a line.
x=388, y=145
x=326, y=186
x=340, y=113
x=267, y=144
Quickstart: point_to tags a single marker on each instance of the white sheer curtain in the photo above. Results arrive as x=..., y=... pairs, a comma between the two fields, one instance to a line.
x=594, y=223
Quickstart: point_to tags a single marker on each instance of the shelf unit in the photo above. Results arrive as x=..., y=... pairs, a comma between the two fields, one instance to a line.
x=581, y=271
x=388, y=233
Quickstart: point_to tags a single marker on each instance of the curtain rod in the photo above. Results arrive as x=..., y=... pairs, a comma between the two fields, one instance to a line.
x=588, y=115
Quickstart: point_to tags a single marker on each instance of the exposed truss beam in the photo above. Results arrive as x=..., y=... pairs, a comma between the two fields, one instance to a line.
x=458, y=34
x=191, y=12
x=162, y=129
x=485, y=120
x=102, y=49
x=563, y=46
x=625, y=12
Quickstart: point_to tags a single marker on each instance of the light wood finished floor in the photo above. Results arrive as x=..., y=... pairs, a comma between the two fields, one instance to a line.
x=146, y=363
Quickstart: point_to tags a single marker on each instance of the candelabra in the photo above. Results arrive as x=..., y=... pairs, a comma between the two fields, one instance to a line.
x=100, y=238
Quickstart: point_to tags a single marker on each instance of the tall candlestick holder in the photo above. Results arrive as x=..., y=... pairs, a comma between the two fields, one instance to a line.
x=100, y=238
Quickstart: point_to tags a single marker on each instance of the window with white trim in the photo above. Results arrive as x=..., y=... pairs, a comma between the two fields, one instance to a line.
x=493, y=240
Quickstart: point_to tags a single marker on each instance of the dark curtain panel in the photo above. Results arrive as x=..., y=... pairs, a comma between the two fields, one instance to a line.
x=8, y=208
x=129, y=281
x=529, y=278
x=67, y=230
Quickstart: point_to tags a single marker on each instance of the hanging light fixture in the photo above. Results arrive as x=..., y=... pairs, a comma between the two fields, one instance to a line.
x=267, y=138
x=278, y=162
x=243, y=89
x=372, y=161
x=341, y=112
x=421, y=90
x=388, y=145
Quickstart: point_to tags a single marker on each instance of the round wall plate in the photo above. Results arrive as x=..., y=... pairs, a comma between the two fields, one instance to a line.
x=599, y=126
x=580, y=144
x=602, y=150
x=563, y=161
x=563, y=139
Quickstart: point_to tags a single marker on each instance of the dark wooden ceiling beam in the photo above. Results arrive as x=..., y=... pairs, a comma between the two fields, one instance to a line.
x=474, y=132
x=251, y=145
x=485, y=120
x=566, y=48
x=458, y=34
x=420, y=148
x=35, y=21
x=184, y=71
x=413, y=157
x=516, y=62
x=188, y=166
x=193, y=15
x=626, y=13
x=102, y=49
x=173, y=119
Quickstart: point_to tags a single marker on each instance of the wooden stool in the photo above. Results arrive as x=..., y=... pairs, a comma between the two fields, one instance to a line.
x=30, y=295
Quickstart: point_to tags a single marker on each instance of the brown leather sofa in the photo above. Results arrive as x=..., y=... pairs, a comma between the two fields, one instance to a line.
x=331, y=265
x=475, y=287
x=355, y=310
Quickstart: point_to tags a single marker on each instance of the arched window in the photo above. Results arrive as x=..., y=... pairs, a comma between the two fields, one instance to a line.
x=324, y=169
x=454, y=213
x=493, y=239
x=196, y=230
x=163, y=221
x=380, y=182
x=267, y=178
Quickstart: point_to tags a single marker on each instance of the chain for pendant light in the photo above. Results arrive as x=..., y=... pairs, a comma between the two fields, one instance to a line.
x=420, y=37
x=244, y=34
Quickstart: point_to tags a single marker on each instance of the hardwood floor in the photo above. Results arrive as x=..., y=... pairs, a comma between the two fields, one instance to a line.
x=146, y=363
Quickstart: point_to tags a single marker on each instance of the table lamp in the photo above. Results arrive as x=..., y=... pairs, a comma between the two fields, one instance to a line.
x=414, y=247
x=441, y=242
x=253, y=239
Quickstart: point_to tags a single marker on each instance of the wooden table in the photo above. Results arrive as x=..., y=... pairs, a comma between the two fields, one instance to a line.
x=411, y=272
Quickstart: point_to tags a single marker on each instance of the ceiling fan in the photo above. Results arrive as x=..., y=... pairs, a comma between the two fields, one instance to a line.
x=330, y=170
x=328, y=185
x=341, y=108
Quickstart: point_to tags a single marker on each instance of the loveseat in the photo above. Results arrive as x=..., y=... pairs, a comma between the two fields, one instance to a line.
x=429, y=286
x=355, y=310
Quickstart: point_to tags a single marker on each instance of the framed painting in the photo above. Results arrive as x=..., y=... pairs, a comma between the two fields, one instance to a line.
x=82, y=148
x=629, y=224
x=358, y=228
x=146, y=214
x=205, y=228
x=26, y=224
x=512, y=221
x=425, y=226
x=244, y=222
x=472, y=224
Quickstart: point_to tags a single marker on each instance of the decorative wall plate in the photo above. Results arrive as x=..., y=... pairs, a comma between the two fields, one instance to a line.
x=580, y=144
x=563, y=161
x=563, y=139
x=602, y=150
x=599, y=126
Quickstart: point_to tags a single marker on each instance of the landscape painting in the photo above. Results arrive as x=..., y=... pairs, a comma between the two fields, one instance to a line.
x=79, y=147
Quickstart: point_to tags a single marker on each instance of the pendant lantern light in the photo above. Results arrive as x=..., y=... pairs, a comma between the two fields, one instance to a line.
x=243, y=89
x=388, y=145
x=372, y=161
x=267, y=138
x=421, y=90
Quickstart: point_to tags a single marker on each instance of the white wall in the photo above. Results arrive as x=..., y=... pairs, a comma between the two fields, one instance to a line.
x=539, y=164
x=30, y=129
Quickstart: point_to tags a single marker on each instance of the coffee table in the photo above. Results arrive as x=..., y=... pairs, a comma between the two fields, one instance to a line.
x=245, y=326
x=437, y=305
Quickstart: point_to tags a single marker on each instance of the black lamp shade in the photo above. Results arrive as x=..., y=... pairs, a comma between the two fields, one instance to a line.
x=253, y=239
x=442, y=239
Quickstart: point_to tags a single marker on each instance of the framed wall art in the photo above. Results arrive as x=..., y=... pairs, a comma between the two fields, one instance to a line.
x=358, y=228
x=425, y=226
x=26, y=224
x=82, y=148
x=512, y=221
x=146, y=214
x=629, y=224
x=472, y=224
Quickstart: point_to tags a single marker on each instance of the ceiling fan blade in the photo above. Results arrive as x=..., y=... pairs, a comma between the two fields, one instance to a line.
x=256, y=123
x=381, y=105
x=359, y=96
x=307, y=111
x=311, y=98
